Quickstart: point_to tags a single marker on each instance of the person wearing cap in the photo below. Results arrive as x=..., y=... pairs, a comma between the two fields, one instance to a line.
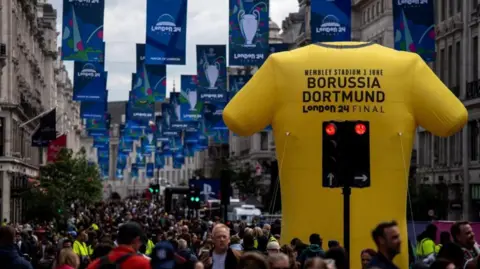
x=273, y=247
x=129, y=239
x=164, y=256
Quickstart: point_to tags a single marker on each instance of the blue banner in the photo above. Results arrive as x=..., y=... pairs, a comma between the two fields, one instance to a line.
x=213, y=116
x=190, y=107
x=140, y=157
x=101, y=142
x=159, y=158
x=134, y=171
x=278, y=48
x=104, y=170
x=166, y=32
x=220, y=136
x=211, y=73
x=414, y=27
x=119, y=173
x=89, y=82
x=148, y=142
x=249, y=32
x=82, y=33
x=125, y=145
x=122, y=160
x=209, y=188
x=140, y=57
x=331, y=20
x=178, y=159
x=141, y=112
x=156, y=81
x=236, y=83
x=93, y=110
x=150, y=170
x=189, y=149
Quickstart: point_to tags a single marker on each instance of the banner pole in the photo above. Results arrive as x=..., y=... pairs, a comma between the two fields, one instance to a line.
x=36, y=117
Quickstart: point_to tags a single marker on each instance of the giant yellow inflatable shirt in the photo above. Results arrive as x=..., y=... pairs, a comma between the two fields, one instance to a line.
x=394, y=90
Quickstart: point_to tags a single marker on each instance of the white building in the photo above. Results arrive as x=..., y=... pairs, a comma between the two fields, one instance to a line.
x=28, y=87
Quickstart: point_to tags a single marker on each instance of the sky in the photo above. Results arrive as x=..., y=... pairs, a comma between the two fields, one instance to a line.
x=124, y=26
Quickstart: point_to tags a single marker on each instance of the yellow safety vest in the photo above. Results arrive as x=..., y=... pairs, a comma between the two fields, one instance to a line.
x=80, y=248
x=150, y=247
x=425, y=247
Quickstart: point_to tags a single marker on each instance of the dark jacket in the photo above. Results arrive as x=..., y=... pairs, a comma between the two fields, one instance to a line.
x=231, y=261
x=311, y=251
x=11, y=259
x=381, y=262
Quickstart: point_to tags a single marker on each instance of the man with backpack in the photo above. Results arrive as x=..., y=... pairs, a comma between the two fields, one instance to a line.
x=125, y=256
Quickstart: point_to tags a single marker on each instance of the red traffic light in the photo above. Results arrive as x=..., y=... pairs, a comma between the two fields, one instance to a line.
x=360, y=128
x=330, y=129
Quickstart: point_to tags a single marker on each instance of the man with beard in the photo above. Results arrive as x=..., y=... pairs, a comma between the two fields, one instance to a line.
x=464, y=236
x=387, y=238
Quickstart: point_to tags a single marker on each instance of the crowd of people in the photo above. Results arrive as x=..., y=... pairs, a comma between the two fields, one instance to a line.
x=137, y=234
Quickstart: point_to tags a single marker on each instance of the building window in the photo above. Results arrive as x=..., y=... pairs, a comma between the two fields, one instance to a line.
x=263, y=141
x=442, y=65
x=458, y=62
x=451, y=7
x=473, y=129
x=450, y=65
x=459, y=6
x=443, y=8
x=378, y=8
x=2, y=136
x=475, y=58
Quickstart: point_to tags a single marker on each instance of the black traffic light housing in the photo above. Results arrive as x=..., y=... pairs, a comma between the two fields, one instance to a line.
x=193, y=197
x=154, y=188
x=346, y=154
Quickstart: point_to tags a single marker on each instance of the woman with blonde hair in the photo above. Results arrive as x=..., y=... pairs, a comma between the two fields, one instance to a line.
x=68, y=260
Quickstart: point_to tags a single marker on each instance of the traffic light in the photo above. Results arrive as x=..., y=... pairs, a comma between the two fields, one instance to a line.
x=193, y=197
x=346, y=154
x=154, y=188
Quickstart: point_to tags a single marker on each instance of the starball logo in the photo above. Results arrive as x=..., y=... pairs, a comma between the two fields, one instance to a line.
x=85, y=1
x=166, y=24
x=411, y=2
x=89, y=71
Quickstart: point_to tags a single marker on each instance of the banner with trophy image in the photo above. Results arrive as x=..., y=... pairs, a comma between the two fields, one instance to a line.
x=139, y=157
x=119, y=173
x=331, y=20
x=148, y=141
x=213, y=116
x=166, y=32
x=159, y=158
x=211, y=73
x=236, y=83
x=175, y=121
x=159, y=129
x=248, y=32
x=190, y=107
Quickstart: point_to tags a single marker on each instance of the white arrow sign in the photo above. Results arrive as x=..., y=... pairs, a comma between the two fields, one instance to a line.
x=330, y=177
x=362, y=178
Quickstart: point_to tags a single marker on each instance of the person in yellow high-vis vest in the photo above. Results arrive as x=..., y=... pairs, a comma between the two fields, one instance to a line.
x=81, y=249
x=150, y=246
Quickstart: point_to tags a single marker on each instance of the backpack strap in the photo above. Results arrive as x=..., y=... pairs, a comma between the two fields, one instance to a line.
x=105, y=260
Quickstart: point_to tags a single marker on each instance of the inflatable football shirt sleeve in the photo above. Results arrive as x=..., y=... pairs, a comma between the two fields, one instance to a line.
x=435, y=107
x=252, y=108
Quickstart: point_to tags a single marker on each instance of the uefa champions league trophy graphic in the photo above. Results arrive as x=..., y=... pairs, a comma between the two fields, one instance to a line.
x=211, y=72
x=248, y=25
x=167, y=118
x=192, y=99
x=177, y=110
x=150, y=139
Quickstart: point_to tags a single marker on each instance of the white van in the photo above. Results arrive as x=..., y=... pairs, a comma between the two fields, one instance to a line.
x=245, y=213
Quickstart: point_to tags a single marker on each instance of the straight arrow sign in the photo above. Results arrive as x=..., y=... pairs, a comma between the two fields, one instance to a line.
x=362, y=178
x=330, y=177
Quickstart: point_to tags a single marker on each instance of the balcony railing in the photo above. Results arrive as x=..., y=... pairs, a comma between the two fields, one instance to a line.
x=473, y=89
x=455, y=90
